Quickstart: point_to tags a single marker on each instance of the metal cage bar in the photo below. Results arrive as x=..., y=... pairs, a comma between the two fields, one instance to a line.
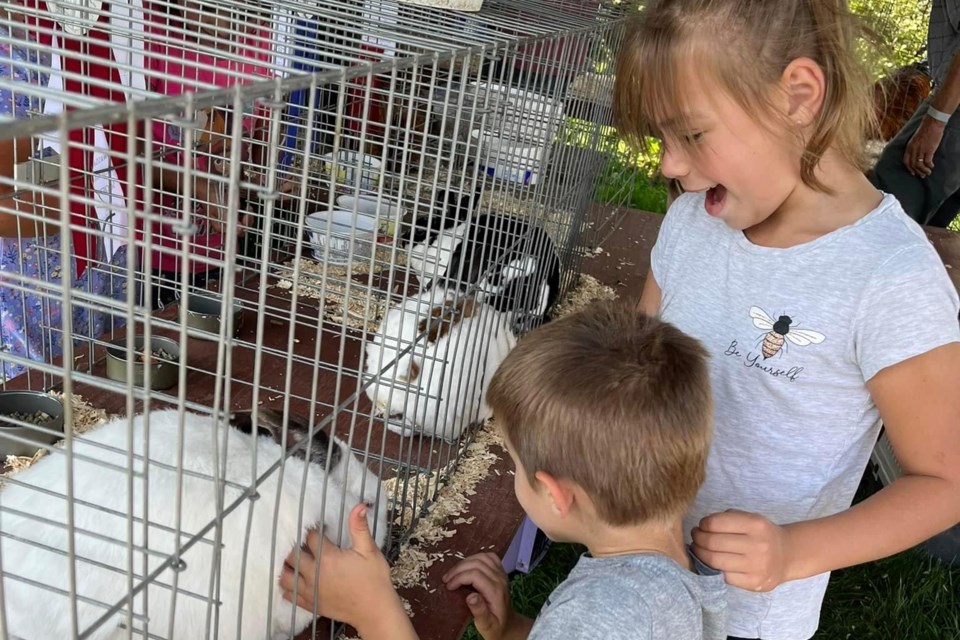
x=301, y=220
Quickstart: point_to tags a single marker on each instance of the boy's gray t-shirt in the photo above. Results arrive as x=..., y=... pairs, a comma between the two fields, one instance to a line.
x=642, y=596
x=794, y=423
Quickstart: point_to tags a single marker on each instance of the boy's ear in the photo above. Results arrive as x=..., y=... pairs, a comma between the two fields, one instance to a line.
x=804, y=85
x=561, y=492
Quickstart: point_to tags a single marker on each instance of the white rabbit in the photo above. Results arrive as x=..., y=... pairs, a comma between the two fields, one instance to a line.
x=33, y=546
x=439, y=386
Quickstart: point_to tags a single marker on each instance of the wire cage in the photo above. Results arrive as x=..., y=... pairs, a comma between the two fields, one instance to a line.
x=232, y=229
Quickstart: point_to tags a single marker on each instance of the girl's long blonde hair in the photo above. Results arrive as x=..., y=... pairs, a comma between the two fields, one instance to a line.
x=744, y=46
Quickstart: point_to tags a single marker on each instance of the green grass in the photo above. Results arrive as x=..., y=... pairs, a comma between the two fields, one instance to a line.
x=910, y=596
x=630, y=186
x=634, y=180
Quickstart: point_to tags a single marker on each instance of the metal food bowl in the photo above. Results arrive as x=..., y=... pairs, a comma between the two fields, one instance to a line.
x=164, y=373
x=13, y=436
x=205, y=313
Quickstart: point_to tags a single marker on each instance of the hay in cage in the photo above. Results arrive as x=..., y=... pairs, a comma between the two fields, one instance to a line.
x=362, y=307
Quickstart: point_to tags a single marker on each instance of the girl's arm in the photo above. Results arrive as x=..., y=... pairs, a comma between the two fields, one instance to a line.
x=650, y=298
x=920, y=409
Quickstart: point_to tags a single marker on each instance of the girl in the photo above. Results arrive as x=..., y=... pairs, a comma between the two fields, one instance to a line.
x=192, y=46
x=826, y=309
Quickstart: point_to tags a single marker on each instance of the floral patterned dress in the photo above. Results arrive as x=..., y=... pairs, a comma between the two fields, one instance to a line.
x=31, y=321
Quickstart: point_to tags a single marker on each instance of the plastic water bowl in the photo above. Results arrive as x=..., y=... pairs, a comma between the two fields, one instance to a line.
x=348, y=237
x=25, y=407
x=348, y=164
x=506, y=159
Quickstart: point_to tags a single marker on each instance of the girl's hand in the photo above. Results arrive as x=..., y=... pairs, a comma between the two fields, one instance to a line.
x=918, y=156
x=353, y=585
x=490, y=606
x=212, y=198
x=752, y=552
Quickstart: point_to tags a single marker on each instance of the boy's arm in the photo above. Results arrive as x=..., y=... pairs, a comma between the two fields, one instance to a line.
x=350, y=585
x=920, y=409
x=493, y=615
x=392, y=623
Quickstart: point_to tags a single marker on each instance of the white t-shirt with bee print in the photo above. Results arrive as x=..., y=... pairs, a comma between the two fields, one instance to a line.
x=794, y=334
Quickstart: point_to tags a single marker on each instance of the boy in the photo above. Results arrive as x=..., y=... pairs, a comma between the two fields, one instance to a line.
x=606, y=416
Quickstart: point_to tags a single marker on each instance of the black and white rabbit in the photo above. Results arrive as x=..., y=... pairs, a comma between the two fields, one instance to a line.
x=34, y=544
x=437, y=387
x=515, y=264
x=433, y=236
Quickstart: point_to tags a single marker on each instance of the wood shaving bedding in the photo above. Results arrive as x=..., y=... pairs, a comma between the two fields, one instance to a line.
x=455, y=5
x=588, y=290
x=85, y=418
x=439, y=520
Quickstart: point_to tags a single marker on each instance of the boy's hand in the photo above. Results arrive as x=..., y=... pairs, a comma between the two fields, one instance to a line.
x=353, y=583
x=493, y=616
x=752, y=552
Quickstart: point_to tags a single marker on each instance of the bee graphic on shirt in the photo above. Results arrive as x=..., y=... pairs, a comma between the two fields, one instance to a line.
x=779, y=331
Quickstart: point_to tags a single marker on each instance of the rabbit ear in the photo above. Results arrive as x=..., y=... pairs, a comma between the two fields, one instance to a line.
x=443, y=317
x=270, y=422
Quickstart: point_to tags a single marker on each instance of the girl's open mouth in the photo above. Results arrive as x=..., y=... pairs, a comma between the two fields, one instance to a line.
x=716, y=198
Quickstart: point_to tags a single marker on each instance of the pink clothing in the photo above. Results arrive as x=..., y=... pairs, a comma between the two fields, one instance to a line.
x=176, y=65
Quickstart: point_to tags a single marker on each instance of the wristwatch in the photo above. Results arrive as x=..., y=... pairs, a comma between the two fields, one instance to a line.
x=938, y=115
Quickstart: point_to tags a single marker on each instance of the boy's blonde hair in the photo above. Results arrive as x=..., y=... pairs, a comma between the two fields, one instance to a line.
x=615, y=401
x=744, y=46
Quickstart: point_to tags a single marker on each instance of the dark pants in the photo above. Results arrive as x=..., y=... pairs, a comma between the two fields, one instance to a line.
x=934, y=200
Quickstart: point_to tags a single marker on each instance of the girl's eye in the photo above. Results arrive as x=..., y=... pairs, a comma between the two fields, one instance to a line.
x=694, y=138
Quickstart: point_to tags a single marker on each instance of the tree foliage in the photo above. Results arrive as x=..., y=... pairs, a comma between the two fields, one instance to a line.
x=900, y=27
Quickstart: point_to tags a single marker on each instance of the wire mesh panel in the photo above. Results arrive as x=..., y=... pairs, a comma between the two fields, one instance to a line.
x=232, y=230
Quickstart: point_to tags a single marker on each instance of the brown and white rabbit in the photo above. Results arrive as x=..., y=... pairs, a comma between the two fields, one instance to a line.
x=256, y=536
x=437, y=386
